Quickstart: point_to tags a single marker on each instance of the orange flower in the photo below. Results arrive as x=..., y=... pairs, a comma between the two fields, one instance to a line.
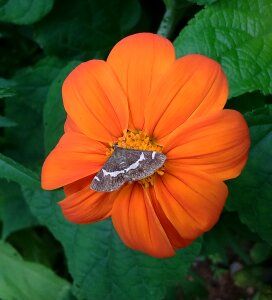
x=144, y=98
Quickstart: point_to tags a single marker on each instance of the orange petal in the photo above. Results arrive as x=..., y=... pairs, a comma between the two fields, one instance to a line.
x=86, y=206
x=194, y=86
x=78, y=185
x=69, y=125
x=173, y=235
x=217, y=144
x=185, y=225
x=137, y=224
x=75, y=157
x=192, y=201
x=139, y=62
x=95, y=101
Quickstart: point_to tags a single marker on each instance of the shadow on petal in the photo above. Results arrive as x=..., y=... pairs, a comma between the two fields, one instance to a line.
x=137, y=223
x=86, y=206
x=191, y=200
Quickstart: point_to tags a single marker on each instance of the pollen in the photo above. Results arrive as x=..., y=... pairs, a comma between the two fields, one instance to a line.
x=140, y=141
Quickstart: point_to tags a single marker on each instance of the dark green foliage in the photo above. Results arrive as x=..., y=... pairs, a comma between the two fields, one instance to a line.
x=86, y=29
x=250, y=194
x=43, y=256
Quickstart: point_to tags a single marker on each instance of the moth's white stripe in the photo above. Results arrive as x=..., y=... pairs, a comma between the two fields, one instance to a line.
x=112, y=174
x=136, y=164
x=96, y=178
x=131, y=167
x=153, y=154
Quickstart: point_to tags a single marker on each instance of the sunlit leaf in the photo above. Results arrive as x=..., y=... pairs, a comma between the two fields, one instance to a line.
x=238, y=35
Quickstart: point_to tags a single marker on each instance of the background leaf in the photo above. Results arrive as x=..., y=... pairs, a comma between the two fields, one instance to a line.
x=86, y=28
x=34, y=60
x=101, y=265
x=15, y=212
x=250, y=194
x=11, y=170
x=24, y=12
x=26, y=109
x=37, y=245
x=5, y=122
x=224, y=237
x=238, y=35
x=54, y=114
x=20, y=279
x=202, y=2
x=6, y=88
x=260, y=252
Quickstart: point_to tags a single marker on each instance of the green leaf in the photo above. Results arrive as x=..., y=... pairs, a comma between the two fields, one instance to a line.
x=37, y=245
x=250, y=194
x=238, y=35
x=260, y=252
x=253, y=276
x=54, y=114
x=195, y=287
x=6, y=92
x=12, y=202
x=86, y=28
x=17, y=49
x=11, y=170
x=24, y=12
x=5, y=122
x=32, y=85
x=101, y=265
x=224, y=236
x=6, y=88
x=24, y=280
x=202, y=2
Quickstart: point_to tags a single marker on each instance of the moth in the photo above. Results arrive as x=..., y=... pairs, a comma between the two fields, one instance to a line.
x=126, y=165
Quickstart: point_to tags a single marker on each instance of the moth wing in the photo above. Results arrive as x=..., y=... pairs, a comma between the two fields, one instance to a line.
x=126, y=165
x=103, y=182
x=152, y=161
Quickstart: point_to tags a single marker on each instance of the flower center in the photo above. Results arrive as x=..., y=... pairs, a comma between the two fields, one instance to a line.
x=140, y=141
